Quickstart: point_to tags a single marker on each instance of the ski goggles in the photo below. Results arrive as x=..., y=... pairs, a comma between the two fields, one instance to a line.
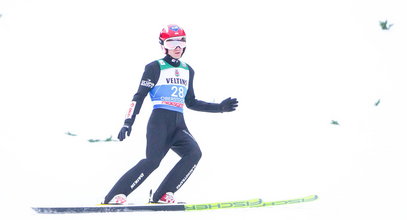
x=174, y=42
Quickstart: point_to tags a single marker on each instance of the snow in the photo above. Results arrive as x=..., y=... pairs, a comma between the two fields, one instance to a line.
x=73, y=66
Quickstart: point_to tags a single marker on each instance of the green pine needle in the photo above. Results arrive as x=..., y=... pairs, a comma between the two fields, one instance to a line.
x=94, y=140
x=109, y=139
x=334, y=122
x=70, y=134
x=384, y=25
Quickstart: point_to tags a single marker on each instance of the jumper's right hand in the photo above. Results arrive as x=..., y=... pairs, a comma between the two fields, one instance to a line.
x=122, y=134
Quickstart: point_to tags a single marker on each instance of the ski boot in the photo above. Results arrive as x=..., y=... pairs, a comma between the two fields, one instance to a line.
x=119, y=199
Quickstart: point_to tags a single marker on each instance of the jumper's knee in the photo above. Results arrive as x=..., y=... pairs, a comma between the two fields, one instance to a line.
x=196, y=154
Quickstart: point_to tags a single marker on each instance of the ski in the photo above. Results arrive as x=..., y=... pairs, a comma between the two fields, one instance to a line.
x=251, y=203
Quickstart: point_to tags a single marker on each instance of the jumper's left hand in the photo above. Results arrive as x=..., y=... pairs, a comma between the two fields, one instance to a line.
x=228, y=105
x=122, y=134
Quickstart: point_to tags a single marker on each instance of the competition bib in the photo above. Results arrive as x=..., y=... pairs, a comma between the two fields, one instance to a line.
x=171, y=88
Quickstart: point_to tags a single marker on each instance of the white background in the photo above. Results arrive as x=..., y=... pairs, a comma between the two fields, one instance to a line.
x=73, y=66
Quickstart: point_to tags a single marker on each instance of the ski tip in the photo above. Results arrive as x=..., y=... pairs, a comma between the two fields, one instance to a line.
x=291, y=201
x=312, y=198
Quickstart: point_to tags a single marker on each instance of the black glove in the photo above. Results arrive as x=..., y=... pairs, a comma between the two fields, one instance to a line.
x=122, y=134
x=228, y=105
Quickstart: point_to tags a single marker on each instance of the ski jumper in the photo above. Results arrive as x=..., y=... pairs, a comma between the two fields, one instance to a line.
x=170, y=85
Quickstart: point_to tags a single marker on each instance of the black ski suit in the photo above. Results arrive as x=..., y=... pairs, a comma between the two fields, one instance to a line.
x=170, y=84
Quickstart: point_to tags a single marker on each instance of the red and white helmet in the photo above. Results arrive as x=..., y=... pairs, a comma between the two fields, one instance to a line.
x=170, y=31
x=172, y=36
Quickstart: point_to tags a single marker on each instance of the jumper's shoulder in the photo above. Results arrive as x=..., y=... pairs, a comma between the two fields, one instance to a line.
x=153, y=65
x=152, y=71
x=192, y=72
